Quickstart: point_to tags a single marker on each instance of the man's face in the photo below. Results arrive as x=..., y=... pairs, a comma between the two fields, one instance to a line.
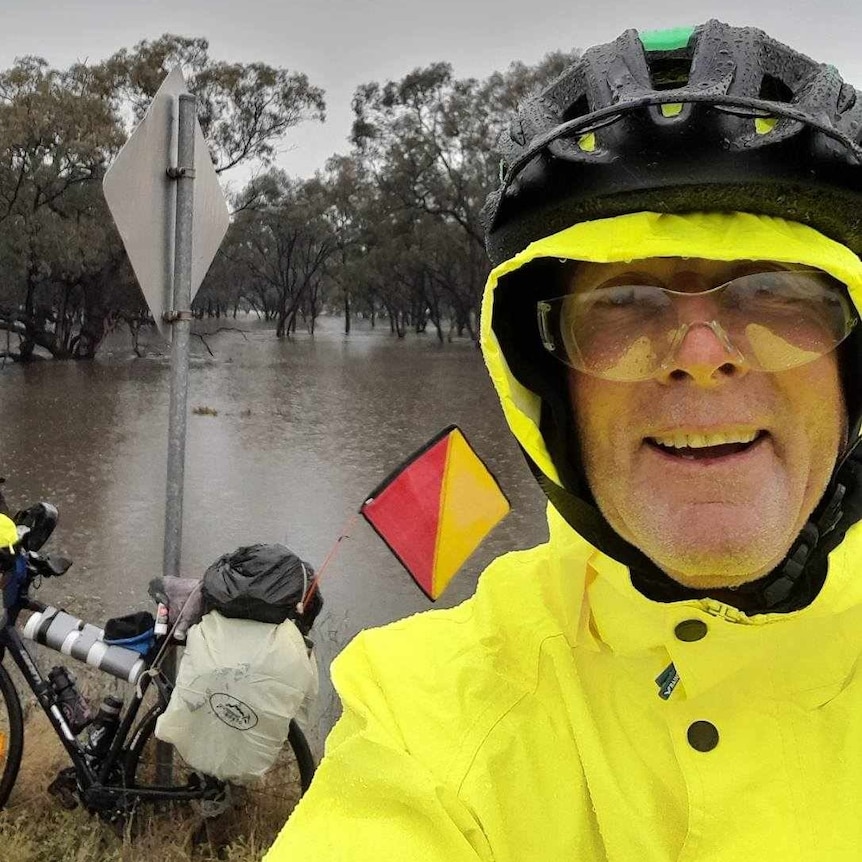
x=719, y=515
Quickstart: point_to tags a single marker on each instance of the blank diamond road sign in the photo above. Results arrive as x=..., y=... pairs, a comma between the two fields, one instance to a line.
x=142, y=200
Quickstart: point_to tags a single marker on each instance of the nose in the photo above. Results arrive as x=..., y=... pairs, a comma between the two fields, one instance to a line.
x=703, y=355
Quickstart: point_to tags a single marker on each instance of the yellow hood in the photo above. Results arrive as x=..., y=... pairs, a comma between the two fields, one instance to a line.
x=714, y=236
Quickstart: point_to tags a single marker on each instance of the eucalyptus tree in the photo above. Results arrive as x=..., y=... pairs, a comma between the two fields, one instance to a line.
x=57, y=133
x=64, y=277
x=352, y=208
x=245, y=110
x=284, y=242
x=427, y=141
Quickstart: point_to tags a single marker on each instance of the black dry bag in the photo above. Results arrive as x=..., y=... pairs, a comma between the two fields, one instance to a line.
x=263, y=583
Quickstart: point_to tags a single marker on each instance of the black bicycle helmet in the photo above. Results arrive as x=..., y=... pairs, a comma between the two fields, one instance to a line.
x=713, y=118
x=706, y=119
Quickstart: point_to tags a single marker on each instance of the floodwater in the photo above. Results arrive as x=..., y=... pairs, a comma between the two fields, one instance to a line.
x=303, y=431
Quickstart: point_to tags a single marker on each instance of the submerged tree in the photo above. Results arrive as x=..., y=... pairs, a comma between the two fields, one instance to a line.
x=56, y=134
x=390, y=228
x=284, y=243
x=426, y=143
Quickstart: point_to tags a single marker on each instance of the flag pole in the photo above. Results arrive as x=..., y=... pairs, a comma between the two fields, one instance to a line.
x=312, y=587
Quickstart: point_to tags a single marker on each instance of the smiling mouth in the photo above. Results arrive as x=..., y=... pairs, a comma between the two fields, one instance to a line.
x=696, y=447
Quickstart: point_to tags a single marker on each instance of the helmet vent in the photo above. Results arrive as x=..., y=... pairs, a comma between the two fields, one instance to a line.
x=579, y=108
x=846, y=98
x=669, y=70
x=775, y=90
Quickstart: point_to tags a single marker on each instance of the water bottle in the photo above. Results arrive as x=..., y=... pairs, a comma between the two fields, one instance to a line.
x=104, y=728
x=70, y=701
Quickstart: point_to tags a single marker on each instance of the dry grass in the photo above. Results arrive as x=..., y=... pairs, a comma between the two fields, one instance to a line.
x=35, y=828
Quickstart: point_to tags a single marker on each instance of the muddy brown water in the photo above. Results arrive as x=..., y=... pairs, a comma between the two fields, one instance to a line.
x=303, y=431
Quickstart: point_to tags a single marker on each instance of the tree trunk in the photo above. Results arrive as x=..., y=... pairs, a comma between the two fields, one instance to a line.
x=93, y=327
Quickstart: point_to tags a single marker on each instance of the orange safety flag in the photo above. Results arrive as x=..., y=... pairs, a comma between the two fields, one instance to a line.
x=436, y=508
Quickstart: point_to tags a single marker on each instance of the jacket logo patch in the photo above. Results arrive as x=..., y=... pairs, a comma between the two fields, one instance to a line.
x=667, y=681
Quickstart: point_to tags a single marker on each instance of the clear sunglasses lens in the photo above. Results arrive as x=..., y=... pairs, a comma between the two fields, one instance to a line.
x=619, y=332
x=781, y=320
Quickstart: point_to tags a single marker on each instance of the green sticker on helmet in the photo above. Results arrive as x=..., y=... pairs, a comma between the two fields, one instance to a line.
x=666, y=40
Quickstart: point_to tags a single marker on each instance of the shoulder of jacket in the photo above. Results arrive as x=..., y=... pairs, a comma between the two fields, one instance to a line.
x=440, y=680
x=508, y=605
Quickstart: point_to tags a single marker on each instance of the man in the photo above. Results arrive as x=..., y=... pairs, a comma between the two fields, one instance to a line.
x=672, y=329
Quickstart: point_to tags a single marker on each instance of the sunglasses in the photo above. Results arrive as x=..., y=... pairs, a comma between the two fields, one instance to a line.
x=766, y=321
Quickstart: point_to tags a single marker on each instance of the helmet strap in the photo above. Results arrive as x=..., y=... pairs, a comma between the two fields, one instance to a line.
x=840, y=508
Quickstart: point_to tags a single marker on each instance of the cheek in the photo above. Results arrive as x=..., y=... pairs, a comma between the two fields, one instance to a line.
x=600, y=408
x=604, y=411
x=817, y=412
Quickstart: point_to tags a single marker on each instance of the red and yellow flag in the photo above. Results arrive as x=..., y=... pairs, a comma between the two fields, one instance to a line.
x=436, y=508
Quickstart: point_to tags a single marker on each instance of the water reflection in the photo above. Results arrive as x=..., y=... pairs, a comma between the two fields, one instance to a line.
x=303, y=431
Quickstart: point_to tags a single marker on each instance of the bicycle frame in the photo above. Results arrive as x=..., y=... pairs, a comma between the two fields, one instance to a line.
x=110, y=783
x=94, y=780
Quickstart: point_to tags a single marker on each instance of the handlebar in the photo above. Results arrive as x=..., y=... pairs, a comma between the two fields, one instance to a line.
x=46, y=566
x=18, y=570
x=20, y=539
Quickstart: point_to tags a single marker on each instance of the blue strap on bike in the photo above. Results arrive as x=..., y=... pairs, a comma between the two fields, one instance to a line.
x=141, y=643
x=17, y=577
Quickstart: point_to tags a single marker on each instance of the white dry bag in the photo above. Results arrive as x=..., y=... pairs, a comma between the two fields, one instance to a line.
x=239, y=684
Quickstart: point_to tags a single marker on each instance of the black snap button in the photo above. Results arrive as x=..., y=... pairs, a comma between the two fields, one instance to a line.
x=690, y=630
x=703, y=736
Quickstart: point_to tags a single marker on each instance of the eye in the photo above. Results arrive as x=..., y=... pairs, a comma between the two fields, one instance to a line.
x=617, y=297
x=642, y=299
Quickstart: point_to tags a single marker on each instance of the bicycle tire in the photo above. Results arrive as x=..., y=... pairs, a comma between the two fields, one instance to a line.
x=296, y=767
x=304, y=757
x=12, y=726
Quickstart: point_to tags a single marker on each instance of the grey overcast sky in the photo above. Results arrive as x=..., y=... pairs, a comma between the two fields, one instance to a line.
x=342, y=43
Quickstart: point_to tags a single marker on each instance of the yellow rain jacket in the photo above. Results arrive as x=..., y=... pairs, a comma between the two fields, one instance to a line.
x=528, y=724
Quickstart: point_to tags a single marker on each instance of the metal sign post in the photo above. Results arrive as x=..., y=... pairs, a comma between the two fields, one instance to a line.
x=180, y=318
x=172, y=217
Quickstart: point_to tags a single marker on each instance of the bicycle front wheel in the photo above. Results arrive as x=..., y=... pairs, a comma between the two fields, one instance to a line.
x=262, y=806
x=11, y=735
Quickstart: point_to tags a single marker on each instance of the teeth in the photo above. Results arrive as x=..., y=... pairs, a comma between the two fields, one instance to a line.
x=700, y=441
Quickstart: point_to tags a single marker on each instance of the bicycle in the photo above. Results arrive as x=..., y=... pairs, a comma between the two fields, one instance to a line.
x=115, y=782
